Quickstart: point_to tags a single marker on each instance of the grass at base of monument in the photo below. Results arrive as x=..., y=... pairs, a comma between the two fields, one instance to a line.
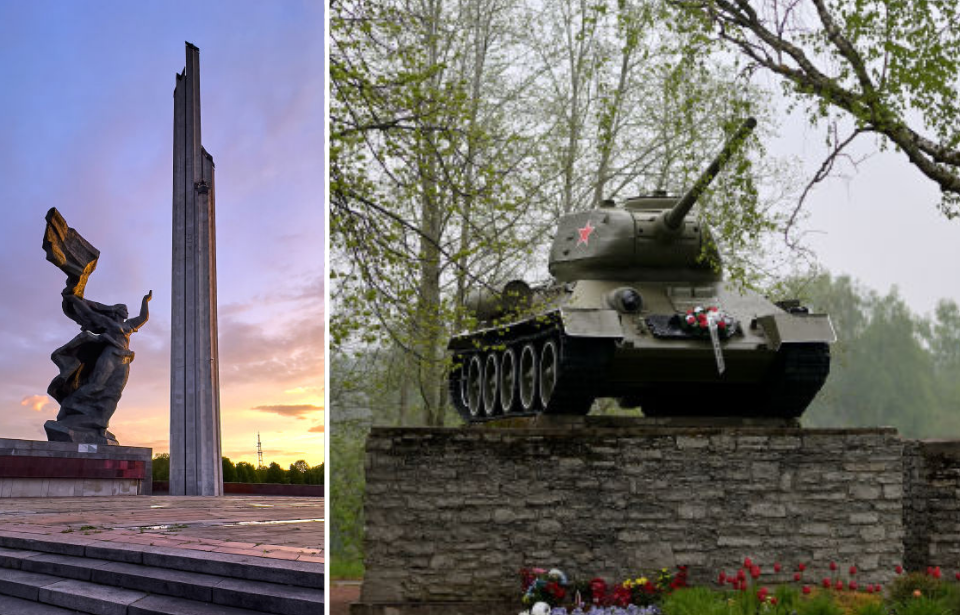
x=346, y=570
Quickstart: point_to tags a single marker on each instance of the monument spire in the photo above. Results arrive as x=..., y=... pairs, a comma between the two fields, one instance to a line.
x=195, y=462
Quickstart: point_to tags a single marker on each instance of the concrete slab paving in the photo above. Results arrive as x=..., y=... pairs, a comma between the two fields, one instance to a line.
x=268, y=527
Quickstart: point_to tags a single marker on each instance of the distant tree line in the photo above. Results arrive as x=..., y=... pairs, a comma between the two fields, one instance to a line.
x=299, y=472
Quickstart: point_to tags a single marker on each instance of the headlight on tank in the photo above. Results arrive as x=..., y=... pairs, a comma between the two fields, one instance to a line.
x=626, y=300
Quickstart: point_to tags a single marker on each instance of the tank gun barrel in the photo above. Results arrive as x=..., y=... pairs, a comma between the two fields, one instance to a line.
x=673, y=218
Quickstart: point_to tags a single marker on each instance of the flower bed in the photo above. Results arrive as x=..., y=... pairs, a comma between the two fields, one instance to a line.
x=841, y=592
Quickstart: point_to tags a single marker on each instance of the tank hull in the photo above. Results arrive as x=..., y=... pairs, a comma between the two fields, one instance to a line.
x=577, y=347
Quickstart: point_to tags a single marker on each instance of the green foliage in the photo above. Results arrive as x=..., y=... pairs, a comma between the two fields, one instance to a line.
x=345, y=499
x=340, y=569
x=902, y=587
x=922, y=606
x=314, y=475
x=457, y=140
x=821, y=604
x=889, y=366
x=296, y=475
x=788, y=596
x=246, y=473
x=886, y=68
x=873, y=608
x=696, y=601
x=275, y=474
x=161, y=467
x=229, y=470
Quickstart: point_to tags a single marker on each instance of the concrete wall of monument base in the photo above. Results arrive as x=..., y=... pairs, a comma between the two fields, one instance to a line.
x=35, y=468
x=453, y=514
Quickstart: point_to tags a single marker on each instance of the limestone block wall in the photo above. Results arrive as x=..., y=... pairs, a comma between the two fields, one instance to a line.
x=455, y=513
x=931, y=507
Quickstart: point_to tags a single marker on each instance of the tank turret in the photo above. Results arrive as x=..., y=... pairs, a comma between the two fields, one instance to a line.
x=649, y=237
x=638, y=311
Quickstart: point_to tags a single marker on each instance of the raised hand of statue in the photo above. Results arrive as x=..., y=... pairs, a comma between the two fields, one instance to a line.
x=136, y=323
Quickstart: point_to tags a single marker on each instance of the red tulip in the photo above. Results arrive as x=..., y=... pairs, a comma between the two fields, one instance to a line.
x=776, y=566
x=755, y=572
x=801, y=566
x=773, y=600
x=839, y=584
x=833, y=566
x=741, y=575
x=958, y=576
x=936, y=572
x=826, y=582
x=722, y=578
x=806, y=589
x=869, y=589
x=899, y=569
x=853, y=586
x=747, y=562
x=853, y=570
x=796, y=576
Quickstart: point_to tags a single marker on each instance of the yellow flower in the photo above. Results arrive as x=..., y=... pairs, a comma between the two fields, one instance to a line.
x=642, y=581
x=628, y=584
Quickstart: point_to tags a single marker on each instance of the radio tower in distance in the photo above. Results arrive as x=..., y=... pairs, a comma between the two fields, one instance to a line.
x=259, y=452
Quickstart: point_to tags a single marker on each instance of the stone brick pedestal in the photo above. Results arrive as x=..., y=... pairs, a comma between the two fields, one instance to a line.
x=453, y=514
x=30, y=468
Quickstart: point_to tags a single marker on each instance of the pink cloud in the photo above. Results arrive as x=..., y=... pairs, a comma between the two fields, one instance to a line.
x=299, y=411
x=36, y=402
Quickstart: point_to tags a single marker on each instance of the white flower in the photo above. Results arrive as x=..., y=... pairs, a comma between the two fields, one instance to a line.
x=540, y=608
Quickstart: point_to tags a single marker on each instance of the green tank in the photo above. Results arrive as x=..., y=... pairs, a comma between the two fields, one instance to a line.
x=635, y=313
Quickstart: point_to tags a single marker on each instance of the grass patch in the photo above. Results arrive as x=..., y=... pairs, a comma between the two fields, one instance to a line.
x=346, y=570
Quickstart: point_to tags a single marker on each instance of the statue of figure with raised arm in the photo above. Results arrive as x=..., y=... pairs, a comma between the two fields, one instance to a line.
x=95, y=364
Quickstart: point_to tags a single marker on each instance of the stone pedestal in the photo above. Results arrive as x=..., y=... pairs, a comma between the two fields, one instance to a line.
x=30, y=468
x=453, y=514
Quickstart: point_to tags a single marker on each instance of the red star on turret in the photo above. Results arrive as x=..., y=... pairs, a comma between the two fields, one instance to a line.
x=585, y=234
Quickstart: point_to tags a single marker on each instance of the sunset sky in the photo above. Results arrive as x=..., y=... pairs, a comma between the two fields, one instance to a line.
x=87, y=110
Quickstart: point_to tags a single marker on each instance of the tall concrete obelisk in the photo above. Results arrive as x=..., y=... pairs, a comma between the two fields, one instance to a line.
x=195, y=466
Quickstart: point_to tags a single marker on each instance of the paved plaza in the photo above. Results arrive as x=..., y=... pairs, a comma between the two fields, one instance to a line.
x=286, y=528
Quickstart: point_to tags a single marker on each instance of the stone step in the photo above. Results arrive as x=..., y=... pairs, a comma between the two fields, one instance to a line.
x=18, y=606
x=243, y=593
x=284, y=572
x=29, y=593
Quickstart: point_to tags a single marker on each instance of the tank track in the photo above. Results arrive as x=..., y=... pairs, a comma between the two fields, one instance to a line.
x=792, y=382
x=580, y=368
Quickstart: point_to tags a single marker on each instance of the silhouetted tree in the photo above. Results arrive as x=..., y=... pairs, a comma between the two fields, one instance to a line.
x=161, y=467
x=229, y=471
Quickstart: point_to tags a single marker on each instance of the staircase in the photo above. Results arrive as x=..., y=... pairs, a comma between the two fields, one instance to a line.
x=47, y=576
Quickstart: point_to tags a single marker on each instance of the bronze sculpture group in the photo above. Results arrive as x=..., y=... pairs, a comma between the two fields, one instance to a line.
x=95, y=364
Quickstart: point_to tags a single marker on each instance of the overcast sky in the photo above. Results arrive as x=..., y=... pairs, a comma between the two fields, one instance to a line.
x=87, y=110
x=877, y=222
